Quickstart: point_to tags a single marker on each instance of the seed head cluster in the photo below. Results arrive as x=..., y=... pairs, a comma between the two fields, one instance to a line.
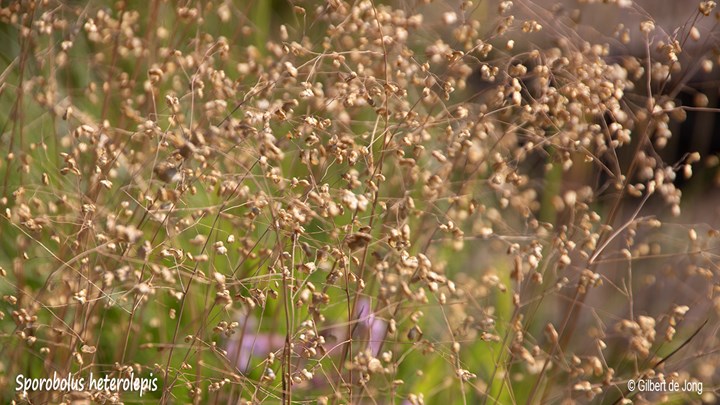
x=354, y=202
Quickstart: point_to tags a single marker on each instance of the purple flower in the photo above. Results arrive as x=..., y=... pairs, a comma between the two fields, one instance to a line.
x=246, y=344
x=369, y=326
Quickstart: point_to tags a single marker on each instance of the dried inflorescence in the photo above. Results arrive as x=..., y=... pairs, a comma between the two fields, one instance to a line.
x=361, y=201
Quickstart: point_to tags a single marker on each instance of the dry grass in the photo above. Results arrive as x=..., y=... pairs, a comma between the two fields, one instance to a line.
x=353, y=202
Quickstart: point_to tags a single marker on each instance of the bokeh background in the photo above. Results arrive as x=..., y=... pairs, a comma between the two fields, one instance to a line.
x=360, y=201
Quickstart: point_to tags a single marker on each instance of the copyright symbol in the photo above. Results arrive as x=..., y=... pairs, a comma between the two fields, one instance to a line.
x=631, y=385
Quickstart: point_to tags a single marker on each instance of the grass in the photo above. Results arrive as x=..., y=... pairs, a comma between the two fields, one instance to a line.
x=324, y=202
